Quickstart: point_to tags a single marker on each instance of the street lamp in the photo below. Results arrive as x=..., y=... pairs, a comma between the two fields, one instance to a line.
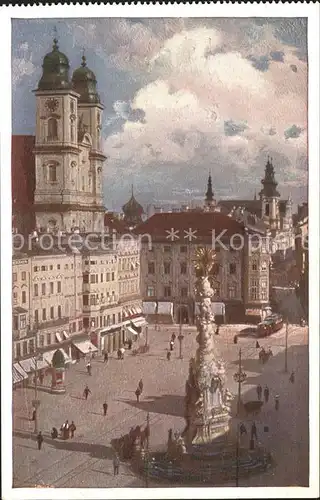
x=239, y=377
x=147, y=339
x=36, y=401
x=180, y=338
x=286, y=349
x=147, y=451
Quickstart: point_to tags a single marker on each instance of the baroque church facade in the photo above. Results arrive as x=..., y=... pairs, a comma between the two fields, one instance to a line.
x=68, y=157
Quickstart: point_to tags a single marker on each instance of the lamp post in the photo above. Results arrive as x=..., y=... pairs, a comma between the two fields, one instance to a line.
x=239, y=377
x=286, y=349
x=147, y=451
x=147, y=338
x=36, y=402
x=180, y=338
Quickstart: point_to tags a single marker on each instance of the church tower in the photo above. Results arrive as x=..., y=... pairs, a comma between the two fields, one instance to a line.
x=66, y=197
x=269, y=197
x=210, y=202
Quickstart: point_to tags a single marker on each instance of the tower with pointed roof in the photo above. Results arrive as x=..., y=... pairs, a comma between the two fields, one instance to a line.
x=68, y=157
x=210, y=202
x=133, y=211
x=269, y=197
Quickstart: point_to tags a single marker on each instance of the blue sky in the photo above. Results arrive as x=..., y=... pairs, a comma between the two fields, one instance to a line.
x=182, y=97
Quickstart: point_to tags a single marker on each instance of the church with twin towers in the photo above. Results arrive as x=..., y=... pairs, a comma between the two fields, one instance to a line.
x=68, y=157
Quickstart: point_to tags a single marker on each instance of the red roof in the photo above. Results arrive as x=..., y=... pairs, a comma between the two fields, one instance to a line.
x=23, y=171
x=114, y=224
x=201, y=223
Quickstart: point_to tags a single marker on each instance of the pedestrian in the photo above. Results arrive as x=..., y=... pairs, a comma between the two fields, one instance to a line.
x=217, y=330
x=116, y=464
x=34, y=413
x=140, y=385
x=122, y=351
x=39, y=440
x=168, y=355
x=72, y=429
x=242, y=429
x=235, y=339
x=129, y=344
x=89, y=368
x=173, y=337
x=276, y=402
x=54, y=433
x=41, y=378
x=292, y=378
x=257, y=345
x=171, y=345
x=254, y=431
x=106, y=357
x=65, y=430
x=86, y=392
x=105, y=408
x=138, y=393
x=259, y=392
x=266, y=393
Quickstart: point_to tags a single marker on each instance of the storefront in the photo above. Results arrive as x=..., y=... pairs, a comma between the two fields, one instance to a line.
x=30, y=365
x=113, y=337
x=19, y=376
x=82, y=348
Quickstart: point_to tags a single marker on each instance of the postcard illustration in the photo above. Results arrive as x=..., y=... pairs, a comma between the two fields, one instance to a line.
x=160, y=252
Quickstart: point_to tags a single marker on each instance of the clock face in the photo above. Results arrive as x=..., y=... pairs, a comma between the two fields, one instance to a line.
x=51, y=104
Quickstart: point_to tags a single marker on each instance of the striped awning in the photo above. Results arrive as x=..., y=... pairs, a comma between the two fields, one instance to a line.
x=131, y=330
x=29, y=365
x=58, y=337
x=85, y=346
x=18, y=374
x=139, y=322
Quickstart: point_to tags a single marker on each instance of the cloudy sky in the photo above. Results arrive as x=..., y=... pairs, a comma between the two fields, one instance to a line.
x=182, y=97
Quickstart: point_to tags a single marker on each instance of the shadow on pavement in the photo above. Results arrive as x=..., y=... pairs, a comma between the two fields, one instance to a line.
x=167, y=404
x=95, y=450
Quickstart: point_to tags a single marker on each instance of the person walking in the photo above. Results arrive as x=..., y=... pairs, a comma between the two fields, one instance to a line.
x=116, y=464
x=54, y=433
x=259, y=392
x=217, y=332
x=106, y=357
x=171, y=345
x=168, y=355
x=242, y=429
x=257, y=345
x=34, y=413
x=173, y=337
x=105, y=408
x=276, y=402
x=291, y=378
x=266, y=393
x=140, y=385
x=86, y=392
x=254, y=431
x=39, y=440
x=138, y=393
x=72, y=429
x=89, y=368
x=235, y=339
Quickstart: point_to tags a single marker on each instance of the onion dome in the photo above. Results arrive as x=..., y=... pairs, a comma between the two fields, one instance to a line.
x=84, y=82
x=55, y=74
x=133, y=211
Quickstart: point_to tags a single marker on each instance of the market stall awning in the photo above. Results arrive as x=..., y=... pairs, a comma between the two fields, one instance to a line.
x=18, y=374
x=131, y=330
x=85, y=346
x=29, y=365
x=49, y=355
x=139, y=322
x=165, y=308
x=149, y=307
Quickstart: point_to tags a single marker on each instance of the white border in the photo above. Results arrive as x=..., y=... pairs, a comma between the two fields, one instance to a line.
x=221, y=10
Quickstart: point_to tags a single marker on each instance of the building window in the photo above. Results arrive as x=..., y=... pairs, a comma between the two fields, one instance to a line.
x=112, y=276
x=23, y=321
x=16, y=322
x=101, y=277
x=14, y=277
x=52, y=173
x=18, y=350
x=108, y=277
x=59, y=311
x=92, y=278
x=263, y=284
x=232, y=268
x=254, y=266
x=44, y=314
x=267, y=209
x=80, y=326
x=48, y=338
x=52, y=129
x=35, y=290
x=263, y=294
x=263, y=266
x=23, y=276
x=119, y=317
x=167, y=248
x=66, y=266
x=25, y=348
x=51, y=287
x=43, y=268
x=85, y=300
x=35, y=269
x=41, y=340
x=150, y=291
x=24, y=297
x=59, y=286
x=51, y=312
x=31, y=345
x=151, y=268
x=183, y=268
x=167, y=291
x=51, y=267
x=114, y=319
x=183, y=249
x=92, y=300
x=166, y=267
x=85, y=278
x=58, y=266
x=86, y=322
x=36, y=316
x=184, y=291
x=232, y=292
x=254, y=290
x=43, y=289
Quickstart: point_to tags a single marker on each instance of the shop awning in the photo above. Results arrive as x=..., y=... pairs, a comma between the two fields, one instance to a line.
x=29, y=365
x=58, y=337
x=131, y=330
x=149, y=307
x=66, y=336
x=139, y=322
x=18, y=374
x=165, y=308
x=85, y=346
x=138, y=310
x=49, y=355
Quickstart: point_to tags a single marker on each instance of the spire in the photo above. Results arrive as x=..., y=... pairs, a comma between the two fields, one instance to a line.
x=255, y=195
x=84, y=60
x=55, y=39
x=269, y=183
x=209, y=193
x=132, y=190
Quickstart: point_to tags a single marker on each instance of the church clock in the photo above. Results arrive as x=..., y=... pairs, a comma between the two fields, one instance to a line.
x=51, y=104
